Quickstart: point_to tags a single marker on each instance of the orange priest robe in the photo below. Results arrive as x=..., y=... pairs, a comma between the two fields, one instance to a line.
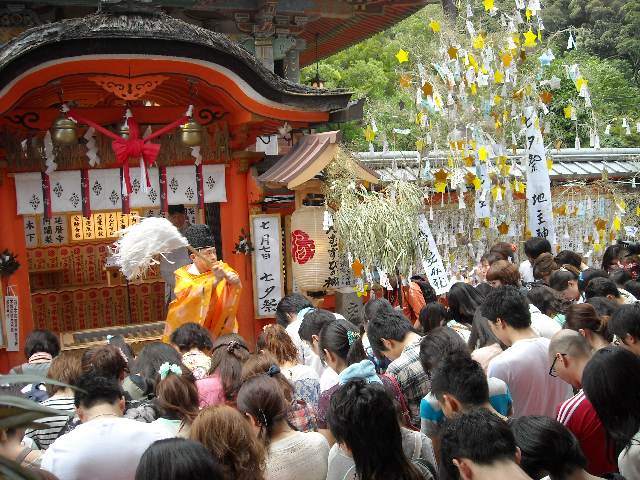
x=201, y=300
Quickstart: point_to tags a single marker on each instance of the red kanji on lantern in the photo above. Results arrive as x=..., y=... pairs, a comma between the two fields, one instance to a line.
x=302, y=247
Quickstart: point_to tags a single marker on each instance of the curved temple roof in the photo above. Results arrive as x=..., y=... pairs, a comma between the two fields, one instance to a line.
x=154, y=34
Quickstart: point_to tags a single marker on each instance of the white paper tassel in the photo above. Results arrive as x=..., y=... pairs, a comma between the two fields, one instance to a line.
x=50, y=159
x=571, y=43
x=577, y=142
x=607, y=130
x=431, y=214
x=137, y=247
x=92, y=148
x=197, y=156
x=592, y=138
x=638, y=127
x=596, y=141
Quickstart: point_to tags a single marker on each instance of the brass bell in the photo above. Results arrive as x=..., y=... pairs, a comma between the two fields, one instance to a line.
x=64, y=131
x=191, y=133
x=124, y=131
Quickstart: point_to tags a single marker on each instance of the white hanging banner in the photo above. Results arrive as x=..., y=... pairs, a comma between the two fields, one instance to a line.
x=483, y=195
x=432, y=262
x=104, y=189
x=138, y=197
x=214, y=184
x=539, y=207
x=29, y=197
x=267, y=262
x=11, y=317
x=66, y=192
x=181, y=185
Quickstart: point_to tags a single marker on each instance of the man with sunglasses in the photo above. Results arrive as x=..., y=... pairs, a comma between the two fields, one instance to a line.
x=207, y=290
x=569, y=353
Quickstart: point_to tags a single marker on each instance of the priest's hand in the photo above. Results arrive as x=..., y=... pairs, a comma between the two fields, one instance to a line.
x=233, y=278
x=218, y=271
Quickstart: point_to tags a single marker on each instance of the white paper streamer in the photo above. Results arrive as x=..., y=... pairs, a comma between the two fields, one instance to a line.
x=92, y=148
x=50, y=159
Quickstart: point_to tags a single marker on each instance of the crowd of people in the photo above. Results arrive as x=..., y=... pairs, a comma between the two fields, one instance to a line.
x=525, y=371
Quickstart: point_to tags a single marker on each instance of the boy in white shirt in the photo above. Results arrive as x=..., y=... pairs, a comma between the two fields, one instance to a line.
x=524, y=366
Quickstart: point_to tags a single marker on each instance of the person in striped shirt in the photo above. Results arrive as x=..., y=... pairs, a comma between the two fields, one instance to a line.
x=569, y=353
x=64, y=368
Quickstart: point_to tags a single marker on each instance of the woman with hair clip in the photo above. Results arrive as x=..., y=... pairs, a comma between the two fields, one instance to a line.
x=583, y=319
x=341, y=348
x=291, y=455
x=275, y=340
x=566, y=281
x=543, y=266
x=362, y=418
x=301, y=415
x=176, y=399
x=228, y=354
x=229, y=438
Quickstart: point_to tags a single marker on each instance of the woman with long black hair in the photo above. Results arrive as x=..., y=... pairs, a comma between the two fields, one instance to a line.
x=610, y=383
x=463, y=301
x=362, y=418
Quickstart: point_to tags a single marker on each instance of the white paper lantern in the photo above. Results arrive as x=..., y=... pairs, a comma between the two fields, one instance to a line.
x=309, y=249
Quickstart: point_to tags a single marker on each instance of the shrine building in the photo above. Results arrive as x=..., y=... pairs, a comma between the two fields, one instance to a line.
x=216, y=86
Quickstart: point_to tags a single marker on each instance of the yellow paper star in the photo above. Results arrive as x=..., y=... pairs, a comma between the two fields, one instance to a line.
x=488, y=4
x=441, y=176
x=617, y=223
x=427, y=89
x=419, y=116
x=472, y=61
x=561, y=210
x=474, y=89
x=549, y=163
x=477, y=183
x=478, y=42
x=441, y=187
x=420, y=144
x=482, y=154
x=530, y=39
x=580, y=82
x=503, y=228
x=506, y=59
x=405, y=81
x=363, y=292
x=402, y=56
x=453, y=53
x=498, y=76
x=568, y=110
x=357, y=267
x=486, y=222
x=497, y=99
x=435, y=26
x=369, y=134
x=597, y=247
x=468, y=161
x=528, y=14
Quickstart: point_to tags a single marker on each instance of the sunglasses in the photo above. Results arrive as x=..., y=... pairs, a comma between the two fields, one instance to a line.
x=552, y=371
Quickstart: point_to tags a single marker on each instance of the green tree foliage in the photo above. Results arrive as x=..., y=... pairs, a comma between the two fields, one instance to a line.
x=608, y=54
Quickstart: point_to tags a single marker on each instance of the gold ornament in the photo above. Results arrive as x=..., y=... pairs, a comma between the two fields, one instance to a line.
x=191, y=133
x=64, y=131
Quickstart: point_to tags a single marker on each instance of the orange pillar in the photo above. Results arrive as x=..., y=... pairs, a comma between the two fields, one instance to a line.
x=12, y=238
x=234, y=216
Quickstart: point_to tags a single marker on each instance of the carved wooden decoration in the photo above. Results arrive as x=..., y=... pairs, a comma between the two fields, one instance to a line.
x=128, y=88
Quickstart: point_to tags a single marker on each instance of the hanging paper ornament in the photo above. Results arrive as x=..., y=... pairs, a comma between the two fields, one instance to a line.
x=571, y=43
x=430, y=213
x=402, y=56
x=607, y=130
x=577, y=142
x=50, y=159
x=92, y=148
x=530, y=39
x=435, y=25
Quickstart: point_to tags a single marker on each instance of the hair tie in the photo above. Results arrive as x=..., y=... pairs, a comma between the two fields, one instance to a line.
x=166, y=368
x=273, y=370
x=109, y=337
x=352, y=336
x=263, y=419
x=232, y=346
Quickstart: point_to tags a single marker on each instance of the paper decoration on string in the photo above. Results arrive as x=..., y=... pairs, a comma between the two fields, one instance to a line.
x=50, y=159
x=435, y=26
x=571, y=42
x=539, y=206
x=92, y=148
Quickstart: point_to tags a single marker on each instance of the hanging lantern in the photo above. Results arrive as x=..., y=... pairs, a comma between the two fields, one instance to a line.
x=64, y=132
x=191, y=133
x=309, y=249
